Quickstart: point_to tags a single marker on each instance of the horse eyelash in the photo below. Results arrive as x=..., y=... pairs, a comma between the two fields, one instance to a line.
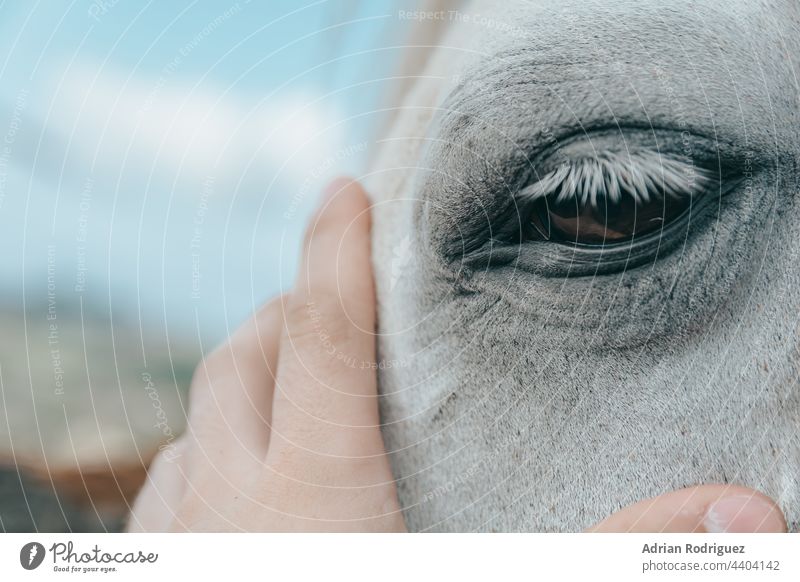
x=611, y=176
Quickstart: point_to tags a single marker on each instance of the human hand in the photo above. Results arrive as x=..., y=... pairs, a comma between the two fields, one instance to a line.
x=702, y=509
x=283, y=426
x=283, y=429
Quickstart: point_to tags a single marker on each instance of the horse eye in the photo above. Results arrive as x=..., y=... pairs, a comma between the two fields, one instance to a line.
x=609, y=199
x=607, y=222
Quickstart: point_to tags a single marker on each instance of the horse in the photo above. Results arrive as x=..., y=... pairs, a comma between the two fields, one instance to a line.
x=586, y=258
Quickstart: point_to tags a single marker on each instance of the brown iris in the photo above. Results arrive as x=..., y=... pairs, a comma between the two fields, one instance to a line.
x=606, y=222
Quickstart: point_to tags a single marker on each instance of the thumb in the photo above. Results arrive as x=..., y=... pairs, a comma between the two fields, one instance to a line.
x=703, y=509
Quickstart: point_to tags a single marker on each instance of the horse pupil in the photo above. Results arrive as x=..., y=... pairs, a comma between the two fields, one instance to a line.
x=606, y=223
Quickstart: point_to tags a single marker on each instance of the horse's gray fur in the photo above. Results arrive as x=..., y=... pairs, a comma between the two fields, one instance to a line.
x=516, y=398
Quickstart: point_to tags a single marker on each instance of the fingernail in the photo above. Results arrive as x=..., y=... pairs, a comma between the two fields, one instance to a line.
x=743, y=514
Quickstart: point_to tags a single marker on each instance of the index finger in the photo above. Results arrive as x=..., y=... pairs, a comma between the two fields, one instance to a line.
x=325, y=394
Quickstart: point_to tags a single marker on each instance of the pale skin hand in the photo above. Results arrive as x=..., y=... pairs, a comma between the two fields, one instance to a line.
x=284, y=433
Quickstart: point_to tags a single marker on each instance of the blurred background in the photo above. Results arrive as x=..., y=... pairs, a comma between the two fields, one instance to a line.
x=158, y=161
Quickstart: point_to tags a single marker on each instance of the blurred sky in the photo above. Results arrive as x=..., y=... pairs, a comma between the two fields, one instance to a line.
x=158, y=160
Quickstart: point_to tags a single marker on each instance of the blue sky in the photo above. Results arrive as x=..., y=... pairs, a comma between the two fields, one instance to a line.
x=162, y=158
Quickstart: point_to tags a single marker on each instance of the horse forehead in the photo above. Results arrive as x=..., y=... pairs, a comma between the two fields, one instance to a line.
x=512, y=10
x=517, y=36
x=480, y=26
x=474, y=34
x=563, y=32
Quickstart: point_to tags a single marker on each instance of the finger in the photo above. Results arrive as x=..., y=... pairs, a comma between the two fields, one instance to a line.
x=707, y=508
x=230, y=402
x=325, y=396
x=161, y=494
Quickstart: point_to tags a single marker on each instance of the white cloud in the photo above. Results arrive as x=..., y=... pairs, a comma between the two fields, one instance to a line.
x=148, y=122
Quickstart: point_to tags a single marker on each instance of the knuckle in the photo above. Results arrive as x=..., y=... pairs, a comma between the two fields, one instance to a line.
x=171, y=453
x=313, y=465
x=210, y=364
x=286, y=455
x=269, y=313
x=318, y=322
x=294, y=462
x=300, y=315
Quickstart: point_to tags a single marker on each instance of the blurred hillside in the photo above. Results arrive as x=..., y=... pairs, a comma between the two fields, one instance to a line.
x=85, y=405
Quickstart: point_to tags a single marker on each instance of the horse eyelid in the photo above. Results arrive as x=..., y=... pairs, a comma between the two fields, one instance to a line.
x=612, y=176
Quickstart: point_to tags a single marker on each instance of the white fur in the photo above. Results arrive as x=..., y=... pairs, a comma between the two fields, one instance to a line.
x=518, y=399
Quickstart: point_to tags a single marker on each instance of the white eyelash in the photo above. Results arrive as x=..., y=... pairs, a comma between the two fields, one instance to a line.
x=610, y=176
